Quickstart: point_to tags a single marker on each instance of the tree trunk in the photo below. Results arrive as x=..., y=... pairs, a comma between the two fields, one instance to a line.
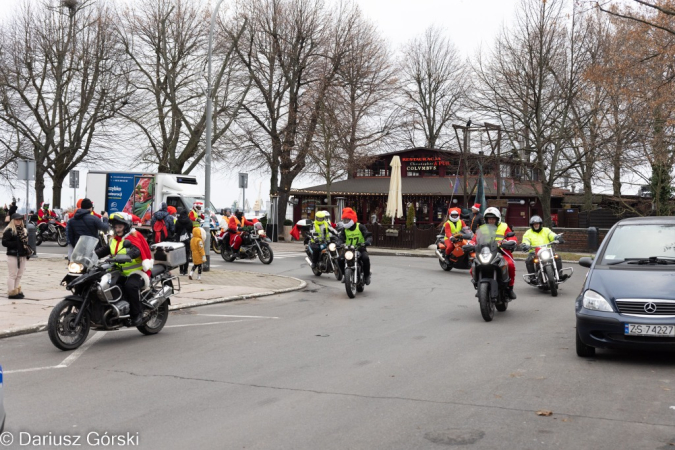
x=616, y=179
x=545, y=200
x=39, y=186
x=588, y=195
x=56, y=191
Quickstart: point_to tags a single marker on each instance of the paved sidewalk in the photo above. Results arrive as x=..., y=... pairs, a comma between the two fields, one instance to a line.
x=41, y=286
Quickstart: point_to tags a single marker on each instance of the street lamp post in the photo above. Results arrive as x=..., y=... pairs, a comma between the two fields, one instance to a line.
x=209, y=121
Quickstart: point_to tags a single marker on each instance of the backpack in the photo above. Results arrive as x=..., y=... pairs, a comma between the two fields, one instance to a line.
x=160, y=230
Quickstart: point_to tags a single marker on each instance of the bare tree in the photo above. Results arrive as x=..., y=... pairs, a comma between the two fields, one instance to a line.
x=166, y=41
x=434, y=82
x=292, y=51
x=62, y=81
x=529, y=84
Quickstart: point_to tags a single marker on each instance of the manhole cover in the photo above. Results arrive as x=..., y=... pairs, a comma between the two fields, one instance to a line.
x=454, y=436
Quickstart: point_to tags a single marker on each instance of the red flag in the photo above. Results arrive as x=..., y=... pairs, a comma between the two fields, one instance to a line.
x=295, y=232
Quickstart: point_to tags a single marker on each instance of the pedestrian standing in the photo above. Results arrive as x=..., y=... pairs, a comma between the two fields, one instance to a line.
x=476, y=219
x=15, y=238
x=198, y=252
x=162, y=224
x=85, y=223
x=183, y=234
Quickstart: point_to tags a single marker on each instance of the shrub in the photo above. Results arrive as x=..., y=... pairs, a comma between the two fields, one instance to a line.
x=410, y=220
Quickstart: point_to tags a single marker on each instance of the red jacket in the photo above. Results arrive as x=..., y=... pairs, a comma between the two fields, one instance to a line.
x=44, y=217
x=234, y=223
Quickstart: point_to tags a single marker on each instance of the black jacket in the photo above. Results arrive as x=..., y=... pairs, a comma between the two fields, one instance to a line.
x=475, y=221
x=183, y=225
x=13, y=243
x=84, y=223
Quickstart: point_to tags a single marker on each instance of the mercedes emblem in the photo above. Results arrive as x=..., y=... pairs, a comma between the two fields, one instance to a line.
x=650, y=308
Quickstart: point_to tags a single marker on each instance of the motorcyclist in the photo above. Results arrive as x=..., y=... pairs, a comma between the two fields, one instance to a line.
x=235, y=224
x=44, y=216
x=493, y=217
x=196, y=214
x=452, y=227
x=536, y=236
x=356, y=234
x=322, y=234
x=476, y=218
x=135, y=273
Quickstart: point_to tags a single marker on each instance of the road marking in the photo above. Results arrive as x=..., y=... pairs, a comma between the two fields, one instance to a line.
x=201, y=324
x=34, y=369
x=77, y=353
x=242, y=317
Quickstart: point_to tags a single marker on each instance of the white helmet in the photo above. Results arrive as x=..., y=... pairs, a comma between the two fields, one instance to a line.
x=454, y=216
x=493, y=212
x=198, y=205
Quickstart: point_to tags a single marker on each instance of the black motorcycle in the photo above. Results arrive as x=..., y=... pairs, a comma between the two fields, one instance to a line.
x=328, y=262
x=546, y=276
x=490, y=271
x=98, y=301
x=354, y=277
x=254, y=245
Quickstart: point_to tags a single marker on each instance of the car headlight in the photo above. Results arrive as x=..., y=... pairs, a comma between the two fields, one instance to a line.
x=545, y=255
x=349, y=255
x=75, y=268
x=332, y=246
x=596, y=302
x=485, y=256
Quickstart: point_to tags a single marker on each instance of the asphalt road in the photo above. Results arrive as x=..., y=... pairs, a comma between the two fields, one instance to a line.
x=408, y=364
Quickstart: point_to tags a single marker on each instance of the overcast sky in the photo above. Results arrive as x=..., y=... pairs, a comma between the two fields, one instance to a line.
x=469, y=23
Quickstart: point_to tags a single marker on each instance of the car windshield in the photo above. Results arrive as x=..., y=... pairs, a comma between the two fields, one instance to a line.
x=189, y=201
x=83, y=252
x=485, y=237
x=640, y=241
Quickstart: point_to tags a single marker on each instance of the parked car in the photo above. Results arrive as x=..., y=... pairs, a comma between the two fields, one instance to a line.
x=628, y=298
x=2, y=405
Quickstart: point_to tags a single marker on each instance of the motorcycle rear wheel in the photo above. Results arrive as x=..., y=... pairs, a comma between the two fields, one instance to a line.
x=445, y=265
x=552, y=285
x=61, y=238
x=228, y=255
x=157, y=322
x=316, y=271
x=38, y=239
x=349, y=287
x=487, y=307
x=62, y=332
x=502, y=306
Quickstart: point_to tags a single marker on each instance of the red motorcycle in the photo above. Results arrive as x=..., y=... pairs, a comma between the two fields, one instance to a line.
x=52, y=231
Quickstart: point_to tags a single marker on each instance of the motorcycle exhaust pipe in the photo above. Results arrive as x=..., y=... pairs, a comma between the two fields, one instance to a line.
x=309, y=261
x=439, y=254
x=161, y=297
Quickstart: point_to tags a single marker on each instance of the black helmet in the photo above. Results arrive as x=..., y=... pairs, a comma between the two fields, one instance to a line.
x=122, y=218
x=536, y=219
x=239, y=214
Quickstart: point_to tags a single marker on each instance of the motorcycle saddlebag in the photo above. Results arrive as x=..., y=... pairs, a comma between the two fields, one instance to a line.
x=170, y=254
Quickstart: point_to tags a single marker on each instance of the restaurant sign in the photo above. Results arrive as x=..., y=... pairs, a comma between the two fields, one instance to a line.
x=424, y=163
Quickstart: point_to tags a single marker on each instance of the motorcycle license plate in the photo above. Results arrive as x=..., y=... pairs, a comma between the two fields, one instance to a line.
x=649, y=330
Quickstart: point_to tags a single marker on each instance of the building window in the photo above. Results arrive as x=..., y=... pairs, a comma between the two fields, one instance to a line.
x=364, y=173
x=412, y=173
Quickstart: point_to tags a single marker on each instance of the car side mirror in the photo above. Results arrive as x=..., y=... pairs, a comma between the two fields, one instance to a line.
x=586, y=262
x=510, y=234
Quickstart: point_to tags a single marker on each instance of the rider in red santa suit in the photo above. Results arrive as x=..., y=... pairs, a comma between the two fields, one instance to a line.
x=236, y=222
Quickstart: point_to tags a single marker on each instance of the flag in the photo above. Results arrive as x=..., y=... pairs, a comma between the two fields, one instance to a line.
x=503, y=186
x=513, y=186
x=454, y=191
x=480, y=193
x=494, y=184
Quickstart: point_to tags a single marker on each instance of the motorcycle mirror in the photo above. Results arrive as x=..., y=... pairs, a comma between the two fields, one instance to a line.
x=127, y=244
x=510, y=234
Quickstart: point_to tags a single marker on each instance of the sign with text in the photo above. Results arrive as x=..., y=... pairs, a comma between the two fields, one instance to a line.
x=424, y=163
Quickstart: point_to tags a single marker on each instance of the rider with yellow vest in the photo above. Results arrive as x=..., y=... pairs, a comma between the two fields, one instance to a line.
x=493, y=217
x=127, y=241
x=356, y=234
x=537, y=236
x=452, y=227
x=322, y=235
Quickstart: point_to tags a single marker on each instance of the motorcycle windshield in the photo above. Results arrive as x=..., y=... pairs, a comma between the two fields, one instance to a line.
x=84, y=253
x=486, y=237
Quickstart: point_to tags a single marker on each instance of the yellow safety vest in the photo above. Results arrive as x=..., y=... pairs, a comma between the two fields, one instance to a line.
x=117, y=248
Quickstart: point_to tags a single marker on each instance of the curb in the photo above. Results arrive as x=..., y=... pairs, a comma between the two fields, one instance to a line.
x=43, y=326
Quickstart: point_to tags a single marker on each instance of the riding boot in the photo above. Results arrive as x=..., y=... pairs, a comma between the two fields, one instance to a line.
x=511, y=293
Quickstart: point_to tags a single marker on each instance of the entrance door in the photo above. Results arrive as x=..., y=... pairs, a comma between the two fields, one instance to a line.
x=516, y=215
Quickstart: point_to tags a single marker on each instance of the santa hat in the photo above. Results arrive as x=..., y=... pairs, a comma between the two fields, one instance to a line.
x=476, y=206
x=138, y=240
x=348, y=213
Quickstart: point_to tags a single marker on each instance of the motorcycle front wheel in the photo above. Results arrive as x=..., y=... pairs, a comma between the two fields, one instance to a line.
x=337, y=271
x=487, y=307
x=63, y=332
x=265, y=254
x=553, y=287
x=157, y=321
x=61, y=238
x=38, y=239
x=349, y=284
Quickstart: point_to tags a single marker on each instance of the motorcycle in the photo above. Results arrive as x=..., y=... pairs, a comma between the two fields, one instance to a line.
x=354, y=278
x=546, y=276
x=490, y=272
x=54, y=231
x=328, y=263
x=457, y=258
x=97, y=299
x=254, y=245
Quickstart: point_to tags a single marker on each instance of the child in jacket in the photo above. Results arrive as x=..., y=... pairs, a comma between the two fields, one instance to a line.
x=198, y=253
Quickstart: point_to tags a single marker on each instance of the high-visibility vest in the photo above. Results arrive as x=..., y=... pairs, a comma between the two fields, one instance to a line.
x=534, y=239
x=501, y=231
x=455, y=227
x=317, y=228
x=354, y=237
x=117, y=248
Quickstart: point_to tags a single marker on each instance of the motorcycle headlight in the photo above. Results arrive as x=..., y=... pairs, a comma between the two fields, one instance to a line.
x=261, y=232
x=545, y=255
x=349, y=255
x=596, y=302
x=332, y=246
x=485, y=256
x=75, y=268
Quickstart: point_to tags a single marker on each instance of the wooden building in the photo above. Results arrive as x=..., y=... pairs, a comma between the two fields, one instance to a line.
x=432, y=180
